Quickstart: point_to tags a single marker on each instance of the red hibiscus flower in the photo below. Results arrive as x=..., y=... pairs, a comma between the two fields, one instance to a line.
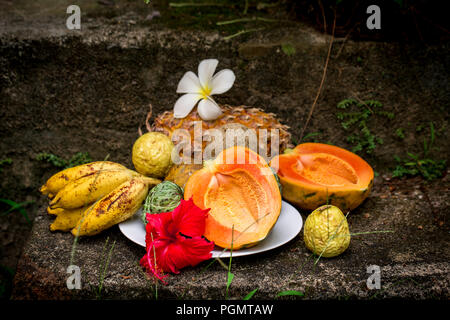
x=174, y=240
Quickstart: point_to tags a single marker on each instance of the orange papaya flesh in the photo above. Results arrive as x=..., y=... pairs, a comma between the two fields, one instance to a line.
x=244, y=198
x=314, y=174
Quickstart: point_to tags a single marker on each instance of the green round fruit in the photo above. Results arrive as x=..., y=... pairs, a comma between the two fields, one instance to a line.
x=164, y=197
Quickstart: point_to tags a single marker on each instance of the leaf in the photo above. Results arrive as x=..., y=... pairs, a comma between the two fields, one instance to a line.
x=288, y=49
x=250, y=294
x=5, y=161
x=230, y=275
x=413, y=156
x=105, y=265
x=344, y=104
x=310, y=135
x=51, y=158
x=10, y=202
x=425, y=146
x=79, y=159
x=290, y=293
x=432, y=133
x=230, y=279
x=374, y=103
x=400, y=133
x=75, y=160
x=17, y=206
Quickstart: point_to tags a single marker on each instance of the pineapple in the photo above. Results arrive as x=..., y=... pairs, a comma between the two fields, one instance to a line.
x=241, y=117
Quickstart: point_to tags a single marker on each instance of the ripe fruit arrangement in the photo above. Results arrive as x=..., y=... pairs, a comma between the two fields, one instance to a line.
x=90, y=198
x=244, y=199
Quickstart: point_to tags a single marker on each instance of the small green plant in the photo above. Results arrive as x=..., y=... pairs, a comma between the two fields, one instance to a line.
x=104, y=266
x=250, y=294
x=288, y=49
x=16, y=207
x=77, y=159
x=230, y=275
x=6, y=281
x=419, y=128
x=423, y=164
x=400, y=133
x=358, y=114
x=311, y=135
x=290, y=293
x=5, y=161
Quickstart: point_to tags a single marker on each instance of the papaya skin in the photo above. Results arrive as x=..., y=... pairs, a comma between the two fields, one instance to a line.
x=244, y=199
x=180, y=173
x=314, y=174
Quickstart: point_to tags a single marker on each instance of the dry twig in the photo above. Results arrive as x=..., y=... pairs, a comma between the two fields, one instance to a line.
x=321, y=82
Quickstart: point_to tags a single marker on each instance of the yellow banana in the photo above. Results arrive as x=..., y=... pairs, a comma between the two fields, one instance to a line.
x=115, y=207
x=91, y=188
x=67, y=219
x=54, y=212
x=62, y=178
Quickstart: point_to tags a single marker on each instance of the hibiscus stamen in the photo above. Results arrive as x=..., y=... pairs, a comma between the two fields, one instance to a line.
x=154, y=269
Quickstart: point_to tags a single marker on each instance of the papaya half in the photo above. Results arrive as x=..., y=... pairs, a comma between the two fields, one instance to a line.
x=314, y=174
x=242, y=193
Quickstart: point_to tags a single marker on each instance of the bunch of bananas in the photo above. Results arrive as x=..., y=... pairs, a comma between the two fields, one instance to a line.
x=92, y=197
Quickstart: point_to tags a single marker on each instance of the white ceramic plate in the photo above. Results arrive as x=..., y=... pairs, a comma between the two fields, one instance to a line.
x=287, y=227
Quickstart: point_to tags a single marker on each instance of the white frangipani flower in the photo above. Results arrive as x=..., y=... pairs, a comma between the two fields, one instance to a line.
x=202, y=88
